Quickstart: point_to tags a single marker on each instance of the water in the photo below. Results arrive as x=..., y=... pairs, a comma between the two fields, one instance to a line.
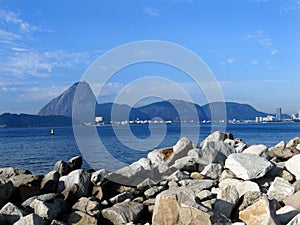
x=38, y=151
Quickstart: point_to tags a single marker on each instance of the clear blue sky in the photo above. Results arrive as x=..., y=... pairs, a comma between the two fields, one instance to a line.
x=252, y=46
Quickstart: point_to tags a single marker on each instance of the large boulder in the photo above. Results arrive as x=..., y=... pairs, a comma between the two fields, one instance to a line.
x=292, y=166
x=9, y=172
x=12, y=213
x=64, y=168
x=256, y=149
x=49, y=182
x=216, y=136
x=280, y=189
x=282, y=152
x=88, y=206
x=260, y=213
x=248, y=166
x=124, y=212
x=227, y=199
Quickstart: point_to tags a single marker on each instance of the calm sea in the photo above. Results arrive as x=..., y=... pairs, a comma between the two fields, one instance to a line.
x=36, y=150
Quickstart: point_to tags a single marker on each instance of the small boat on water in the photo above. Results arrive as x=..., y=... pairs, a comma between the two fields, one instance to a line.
x=52, y=131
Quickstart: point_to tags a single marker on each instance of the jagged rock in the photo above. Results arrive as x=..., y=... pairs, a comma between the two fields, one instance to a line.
x=249, y=198
x=280, y=189
x=9, y=172
x=147, y=183
x=226, y=174
x=64, y=168
x=177, y=206
x=295, y=220
x=80, y=218
x=215, y=136
x=12, y=213
x=230, y=142
x=190, y=162
x=49, y=209
x=49, y=182
x=31, y=219
x=183, y=145
x=293, y=142
x=97, y=192
x=292, y=165
x=215, y=152
x=99, y=177
x=76, y=183
x=153, y=191
x=88, y=206
x=229, y=182
x=226, y=201
x=123, y=212
x=198, y=185
x=286, y=213
x=247, y=186
x=6, y=189
x=212, y=171
x=259, y=213
x=259, y=150
x=178, y=175
x=240, y=146
x=282, y=152
x=75, y=163
x=293, y=200
x=204, y=195
x=248, y=166
x=121, y=197
x=44, y=197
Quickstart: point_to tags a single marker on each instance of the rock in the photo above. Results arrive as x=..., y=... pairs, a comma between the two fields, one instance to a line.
x=6, y=189
x=296, y=185
x=215, y=136
x=178, y=175
x=240, y=146
x=197, y=175
x=147, y=183
x=79, y=218
x=286, y=213
x=123, y=212
x=76, y=183
x=99, y=177
x=229, y=182
x=248, y=166
x=49, y=182
x=56, y=222
x=49, y=209
x=88, y=206
x=153, y=191
x=190, y=162
x=177, y=206
x=183, y=145
x=97, y=192
x=212, y=171
x=12, y=213
x=229, y=142
x=121, y=197
x=157, y=157
x=75, y=163
x=260, y=213
x=62, y=168
x=259, y=150
x=226, y=174
x=247, y=186
x=293, y=142
x=249, y=198
x=280, y=189
x=292, y=165
x=198, y=185
x=215, y=152
x=9, y=172
x=295, y=220
x=293, y=200
x=44, y=197
x=283, y=153
x=287, y=176
x=226, y=201
x=204, y=195
x=31, y=219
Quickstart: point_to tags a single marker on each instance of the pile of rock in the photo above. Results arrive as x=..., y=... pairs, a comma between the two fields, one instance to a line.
x=223, y=181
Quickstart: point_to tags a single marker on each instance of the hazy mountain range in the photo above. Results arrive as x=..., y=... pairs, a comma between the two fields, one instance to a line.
x=173, y=110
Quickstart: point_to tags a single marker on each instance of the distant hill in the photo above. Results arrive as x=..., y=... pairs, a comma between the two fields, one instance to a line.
x=173, y=110
x=25, y=120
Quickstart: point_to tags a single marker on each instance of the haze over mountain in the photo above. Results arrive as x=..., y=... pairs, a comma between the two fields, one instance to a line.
x=173, y=110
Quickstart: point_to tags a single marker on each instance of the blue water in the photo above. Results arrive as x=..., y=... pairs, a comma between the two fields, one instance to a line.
x=36, y=150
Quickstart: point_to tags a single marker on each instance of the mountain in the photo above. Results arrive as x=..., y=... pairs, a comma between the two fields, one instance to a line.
x=63, y=104
x=234, y=110
x=25, y=120
x=86, y=106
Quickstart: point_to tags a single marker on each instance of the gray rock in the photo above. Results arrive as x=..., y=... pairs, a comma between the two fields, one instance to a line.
x=247, y=186
x=6, y=189
x=178, y=175
x=121, y=197
x=56, y=222
x=99, y=177
x=9, y=172
x=215, y=152
x=49, y=182
x=286, y=213
x=240, y=146
x=12, y=213
x=44, y=197
x=88, y=206
x=203, y=195
x=215, y=136
x=190, y=162
x=249, y=198
x=248, y=166
x=123, y=212
x=75, y=163
x=153, y=191
x=227, y=199
x=292, y=165
x=147, y=183
x=280, y=189
x=77, y=178
x=198, y=185
x=259, y=150
x=296, y=185
x=80, y=218
x=183, y=145
x=212, y=171
x=31, y=219
x=49, y=210
x=62, y=168
x=295, y=220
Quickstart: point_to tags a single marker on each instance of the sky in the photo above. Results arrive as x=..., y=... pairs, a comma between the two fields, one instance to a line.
x=251, y=46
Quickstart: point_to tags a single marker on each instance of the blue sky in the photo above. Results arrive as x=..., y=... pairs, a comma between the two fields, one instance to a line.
x=252, y=46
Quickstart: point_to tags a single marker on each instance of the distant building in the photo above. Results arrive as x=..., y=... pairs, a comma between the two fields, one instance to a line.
x=278, y=114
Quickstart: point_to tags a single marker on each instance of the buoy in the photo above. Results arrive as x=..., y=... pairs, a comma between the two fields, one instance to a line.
x=52, y=131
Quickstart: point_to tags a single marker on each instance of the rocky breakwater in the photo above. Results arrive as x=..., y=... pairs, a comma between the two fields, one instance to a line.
x=222, y=181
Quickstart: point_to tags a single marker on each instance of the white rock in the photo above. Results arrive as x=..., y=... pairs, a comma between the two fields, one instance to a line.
x=248, y=166
x=293, y=167
x=247, y=186
x=256, y=149
x=280, y=189
x=30, y=219
x=12, y=213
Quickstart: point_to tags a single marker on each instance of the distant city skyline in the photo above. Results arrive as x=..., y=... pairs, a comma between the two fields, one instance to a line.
x=251, y=46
